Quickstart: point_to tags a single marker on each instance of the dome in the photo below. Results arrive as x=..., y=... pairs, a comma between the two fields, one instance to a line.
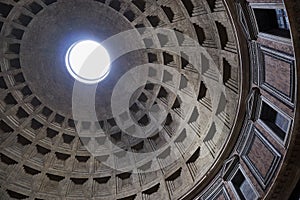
x=144, y=99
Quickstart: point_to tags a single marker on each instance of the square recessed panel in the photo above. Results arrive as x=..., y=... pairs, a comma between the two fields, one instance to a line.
x=277, y=75
x=261, y=157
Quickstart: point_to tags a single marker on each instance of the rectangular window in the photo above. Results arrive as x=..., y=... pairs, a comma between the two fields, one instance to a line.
x=242, y=187
x=276, y=121
x=272, y=21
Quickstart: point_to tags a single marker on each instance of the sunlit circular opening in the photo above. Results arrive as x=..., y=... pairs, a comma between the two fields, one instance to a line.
x=88, y=61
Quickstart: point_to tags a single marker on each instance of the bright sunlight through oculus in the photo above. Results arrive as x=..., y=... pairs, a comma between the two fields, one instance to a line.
x=88, y=62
